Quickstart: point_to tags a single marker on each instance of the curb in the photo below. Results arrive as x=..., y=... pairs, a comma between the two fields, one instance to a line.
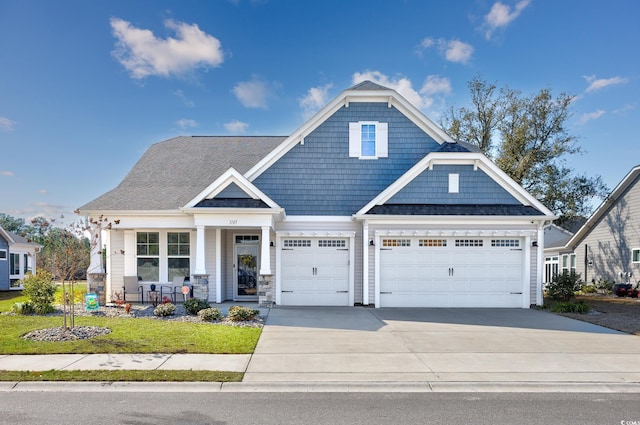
x=325, y=387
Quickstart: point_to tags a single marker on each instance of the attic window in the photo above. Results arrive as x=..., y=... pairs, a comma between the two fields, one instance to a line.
x=3, y=254
x=454, y=183
x=368, y=139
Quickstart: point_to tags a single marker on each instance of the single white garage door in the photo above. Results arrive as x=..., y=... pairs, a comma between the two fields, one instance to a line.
x=315, y=271
x=451, y=272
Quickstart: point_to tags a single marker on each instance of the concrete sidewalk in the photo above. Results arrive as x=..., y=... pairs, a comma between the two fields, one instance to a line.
x=222, y=362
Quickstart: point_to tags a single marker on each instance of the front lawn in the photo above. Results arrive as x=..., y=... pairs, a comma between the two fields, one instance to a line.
x=8, y=298
x=129, y=335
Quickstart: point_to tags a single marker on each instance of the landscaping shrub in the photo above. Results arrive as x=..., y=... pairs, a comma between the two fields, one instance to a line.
x=23, y=308
x=605, y=286
x=589, y=289
x=240, y=314
x=165, y=309
x=569, y=307
x=210, y=314
x=194, y=305
x=564, y=286
x=40, y=290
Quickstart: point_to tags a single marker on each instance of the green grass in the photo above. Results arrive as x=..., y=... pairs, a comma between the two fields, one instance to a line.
x=129, y=336
x=8, y=298
x=122, y=375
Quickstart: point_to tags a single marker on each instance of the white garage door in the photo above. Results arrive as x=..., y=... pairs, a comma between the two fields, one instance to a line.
x=315, y=271
x=451, y=272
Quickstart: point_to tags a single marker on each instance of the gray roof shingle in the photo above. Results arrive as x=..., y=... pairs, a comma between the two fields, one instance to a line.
x=464, y=209
x=173, y=172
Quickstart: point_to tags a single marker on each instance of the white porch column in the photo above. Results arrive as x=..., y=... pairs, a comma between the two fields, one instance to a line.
x=526, y=286
x=540, y=266
x=95, y=264
x=218, y=265
x=200, y=251
x=265, y=252
x=365, y=263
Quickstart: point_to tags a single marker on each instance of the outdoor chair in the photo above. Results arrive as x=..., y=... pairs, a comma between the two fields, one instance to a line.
x=169, y=289
x=177, y=289
x=132, y=287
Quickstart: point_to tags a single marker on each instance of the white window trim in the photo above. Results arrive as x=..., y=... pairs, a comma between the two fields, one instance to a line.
x=632, y=251
x=355, y=139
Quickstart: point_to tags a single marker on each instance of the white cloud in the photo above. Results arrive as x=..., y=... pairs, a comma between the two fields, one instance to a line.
x=501, y=15
x=315, y=99
x=596, y=84
x=236, y=126
x=7, y=173
x=186, y=123
x=6, y=124
x=453, y=50
x=143, y=54
x=590, y=116
x=187, y=102
x=433, y=85
x=253, y=93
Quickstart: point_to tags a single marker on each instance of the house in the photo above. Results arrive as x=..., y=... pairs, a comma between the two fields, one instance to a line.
x=17, y=258
x=555, y=239
x=367, y=203
x=607, y=246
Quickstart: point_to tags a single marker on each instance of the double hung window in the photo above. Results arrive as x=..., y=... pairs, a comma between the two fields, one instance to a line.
x=368, y=139
x=178, y=254
x=148, y=255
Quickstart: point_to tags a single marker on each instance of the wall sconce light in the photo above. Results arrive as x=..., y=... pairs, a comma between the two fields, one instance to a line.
x=371, y=243
x=271, y=244
x=534, y=243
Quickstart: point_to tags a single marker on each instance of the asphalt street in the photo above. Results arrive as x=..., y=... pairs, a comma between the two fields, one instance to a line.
x=53, y=408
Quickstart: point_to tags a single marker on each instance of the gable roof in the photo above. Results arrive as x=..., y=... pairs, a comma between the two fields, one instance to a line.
x=172, y=172
x=255, y=198
x=365, y=91
x=556, y=237
x=627, y=182
x=530, y=205
x=15, y=239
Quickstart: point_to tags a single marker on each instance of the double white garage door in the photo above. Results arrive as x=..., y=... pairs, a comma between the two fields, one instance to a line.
x=414, y=272
x=451, y=272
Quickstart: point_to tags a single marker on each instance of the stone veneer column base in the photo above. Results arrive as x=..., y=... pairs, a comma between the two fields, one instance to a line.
x=266, y=294
x=96, y=285
x=200, y=284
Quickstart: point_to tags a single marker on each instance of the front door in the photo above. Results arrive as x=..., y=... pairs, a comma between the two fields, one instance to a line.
x=246, y=267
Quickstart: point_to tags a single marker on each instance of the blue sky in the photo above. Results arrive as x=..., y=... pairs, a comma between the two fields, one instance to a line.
x=87, y=86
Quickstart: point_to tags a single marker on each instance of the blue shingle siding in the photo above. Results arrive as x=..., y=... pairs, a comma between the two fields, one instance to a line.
x=319, y=177
x=4, y=266
x=232, y=191
x=432, y=187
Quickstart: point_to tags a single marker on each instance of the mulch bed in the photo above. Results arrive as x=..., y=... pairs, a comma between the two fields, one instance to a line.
x=619, y=313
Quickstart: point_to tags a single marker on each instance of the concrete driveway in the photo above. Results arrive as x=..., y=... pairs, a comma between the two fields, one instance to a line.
x=358, y=344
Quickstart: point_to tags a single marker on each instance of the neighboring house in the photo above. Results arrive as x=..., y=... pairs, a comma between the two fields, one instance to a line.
x=555, y=239
x=608, y=244
x=17, y=258
x=368, y=202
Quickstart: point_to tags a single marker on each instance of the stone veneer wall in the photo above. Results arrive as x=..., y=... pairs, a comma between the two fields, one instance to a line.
x=266, y=295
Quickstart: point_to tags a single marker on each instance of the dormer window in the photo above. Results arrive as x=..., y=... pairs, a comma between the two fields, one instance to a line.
x=368, y=139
